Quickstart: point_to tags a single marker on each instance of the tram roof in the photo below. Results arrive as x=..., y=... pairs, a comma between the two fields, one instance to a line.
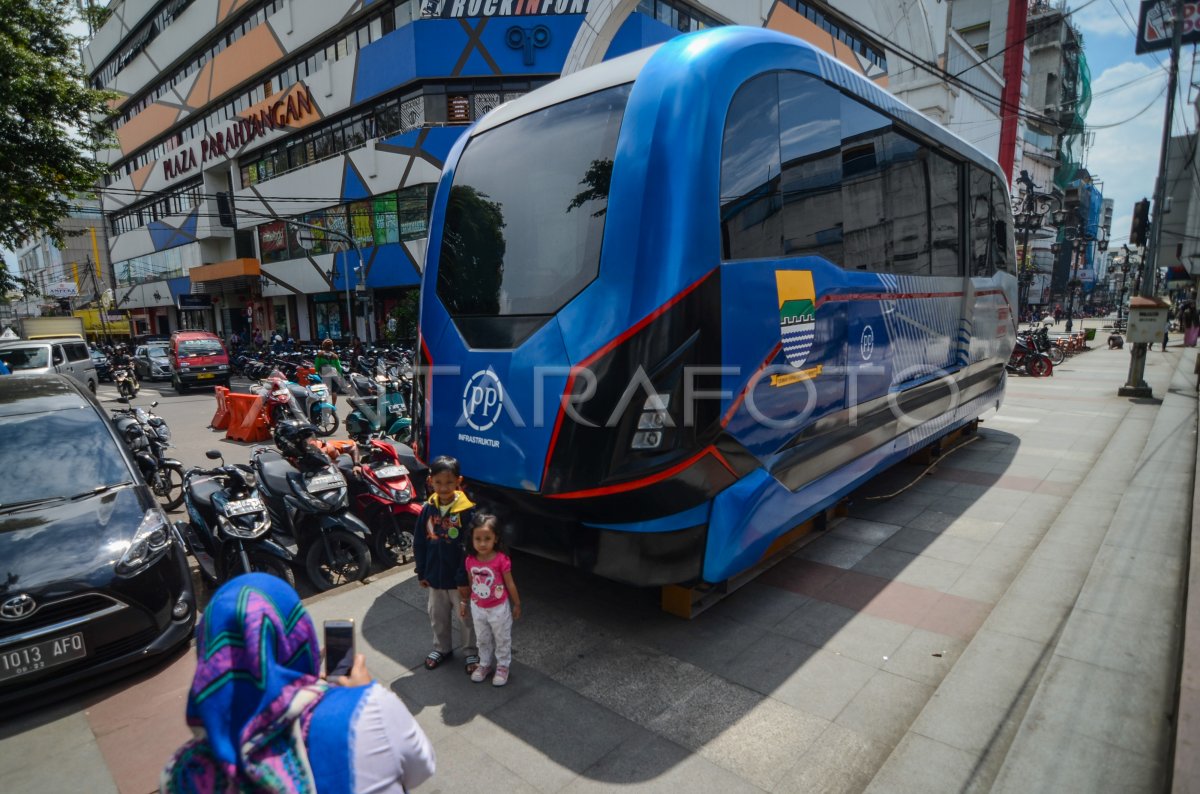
x=626, y=68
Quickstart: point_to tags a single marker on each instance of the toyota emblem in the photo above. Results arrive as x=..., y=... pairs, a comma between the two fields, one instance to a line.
x=18, y=607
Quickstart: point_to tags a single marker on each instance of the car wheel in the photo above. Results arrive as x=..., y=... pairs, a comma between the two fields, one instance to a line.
x=180, y=387
x=92, y=386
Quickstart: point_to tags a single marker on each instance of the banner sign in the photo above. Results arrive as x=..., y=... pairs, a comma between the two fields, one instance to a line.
x=195, y=301
x=458, y=9
x=1157, y=21
x=63, y=289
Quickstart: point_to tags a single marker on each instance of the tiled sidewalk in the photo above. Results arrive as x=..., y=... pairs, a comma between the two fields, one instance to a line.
x=951, y=637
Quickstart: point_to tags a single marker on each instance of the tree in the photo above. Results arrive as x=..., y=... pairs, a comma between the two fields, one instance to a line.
x=51, y=121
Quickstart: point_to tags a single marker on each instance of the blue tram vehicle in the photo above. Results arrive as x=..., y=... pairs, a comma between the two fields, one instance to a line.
x=679, y=302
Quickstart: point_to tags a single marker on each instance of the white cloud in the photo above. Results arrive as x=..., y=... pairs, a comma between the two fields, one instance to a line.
x=1125, y=157
x=1101, y=19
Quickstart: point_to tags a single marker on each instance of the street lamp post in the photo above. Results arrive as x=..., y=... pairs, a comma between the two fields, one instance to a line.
x=1078, y=237
x=1029, y=218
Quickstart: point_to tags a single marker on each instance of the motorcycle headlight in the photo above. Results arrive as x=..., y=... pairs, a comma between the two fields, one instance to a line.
x=150, y=542
x=247, y=527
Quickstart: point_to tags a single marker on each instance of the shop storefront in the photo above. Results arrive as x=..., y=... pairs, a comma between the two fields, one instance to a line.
x=329, y=315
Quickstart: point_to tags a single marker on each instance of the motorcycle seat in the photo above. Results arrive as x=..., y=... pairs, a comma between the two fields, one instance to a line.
x=274, y=471
x=203, y=489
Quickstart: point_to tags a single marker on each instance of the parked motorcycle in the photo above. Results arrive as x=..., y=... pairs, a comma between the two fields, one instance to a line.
x=309, y=508
x=1025, y=358
x=385, y=498
x=127, y=382
x=229, y=526
x=378, y=407
x=148, y=437
x=1039, y=339
x=313, y=399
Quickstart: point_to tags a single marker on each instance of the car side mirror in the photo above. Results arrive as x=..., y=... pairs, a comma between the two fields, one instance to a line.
x=213, y=454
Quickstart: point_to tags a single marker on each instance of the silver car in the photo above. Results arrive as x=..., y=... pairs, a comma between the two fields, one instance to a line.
x=153, y=361
x=65, y=356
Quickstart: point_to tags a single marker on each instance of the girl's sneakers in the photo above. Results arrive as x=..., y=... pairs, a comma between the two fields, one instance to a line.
x=501, y=677
x=480, y=673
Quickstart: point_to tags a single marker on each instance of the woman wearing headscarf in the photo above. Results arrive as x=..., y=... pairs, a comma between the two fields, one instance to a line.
x=266, y=722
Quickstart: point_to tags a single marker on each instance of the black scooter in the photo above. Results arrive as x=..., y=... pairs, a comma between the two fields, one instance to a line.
x=228, y=531
x=310, y=517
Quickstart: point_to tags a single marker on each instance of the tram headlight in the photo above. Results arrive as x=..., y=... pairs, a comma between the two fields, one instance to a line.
x=653, y=420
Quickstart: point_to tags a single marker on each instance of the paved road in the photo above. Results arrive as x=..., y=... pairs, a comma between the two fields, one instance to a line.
x=1009, y=622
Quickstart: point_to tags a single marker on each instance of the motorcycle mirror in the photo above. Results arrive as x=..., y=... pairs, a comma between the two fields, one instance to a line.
x=154, y=404
x=213, y=454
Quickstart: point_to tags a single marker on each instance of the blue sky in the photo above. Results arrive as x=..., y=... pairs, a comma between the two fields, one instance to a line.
x=1129, y=99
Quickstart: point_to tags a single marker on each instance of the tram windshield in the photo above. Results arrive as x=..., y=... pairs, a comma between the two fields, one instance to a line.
x=526, y=211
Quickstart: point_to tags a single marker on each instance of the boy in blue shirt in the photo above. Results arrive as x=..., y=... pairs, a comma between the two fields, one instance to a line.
x=439, y=549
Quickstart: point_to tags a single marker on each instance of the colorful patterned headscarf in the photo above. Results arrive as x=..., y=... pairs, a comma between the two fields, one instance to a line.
x=253, y=696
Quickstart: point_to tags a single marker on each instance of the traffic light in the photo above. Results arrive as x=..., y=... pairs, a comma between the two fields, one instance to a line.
x=1141, y=222
x=225, y=210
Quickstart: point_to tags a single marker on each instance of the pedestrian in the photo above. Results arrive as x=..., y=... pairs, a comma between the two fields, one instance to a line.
x=277, y=344
x=439, y=553
x=264, y=718
x=1190, y=322
x=1166, y=332
x=258, y=338
x=329, y=366
x=495, y=602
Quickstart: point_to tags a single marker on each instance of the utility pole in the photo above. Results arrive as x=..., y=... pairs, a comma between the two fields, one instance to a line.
x=1135, y=384
x=100, y=310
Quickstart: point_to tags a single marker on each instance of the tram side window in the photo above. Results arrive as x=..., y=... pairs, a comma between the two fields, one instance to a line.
x=1004, y=254
x=944, y=216
x=981, y=234
x=751, y=221
x=811, y=151
x=885, y=194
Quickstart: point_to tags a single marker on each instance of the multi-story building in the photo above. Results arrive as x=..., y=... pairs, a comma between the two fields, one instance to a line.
x=71, y=275
x=327, y=123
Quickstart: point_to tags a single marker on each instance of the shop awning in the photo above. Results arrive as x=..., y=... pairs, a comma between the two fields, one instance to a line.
x=231, y=268
x=1178, y=273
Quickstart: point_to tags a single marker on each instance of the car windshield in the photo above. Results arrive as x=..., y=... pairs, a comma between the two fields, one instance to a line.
x=157, y=351
x=76, y=435
x=199, y=347
x=31, y=357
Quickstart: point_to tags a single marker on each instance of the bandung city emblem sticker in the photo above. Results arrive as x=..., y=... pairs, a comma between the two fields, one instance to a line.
x=797, y=323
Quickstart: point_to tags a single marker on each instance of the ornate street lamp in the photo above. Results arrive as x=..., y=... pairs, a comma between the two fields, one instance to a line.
x=1028, y=218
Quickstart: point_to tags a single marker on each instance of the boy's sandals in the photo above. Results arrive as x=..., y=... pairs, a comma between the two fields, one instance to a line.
x=472, y=663
x=436, y=658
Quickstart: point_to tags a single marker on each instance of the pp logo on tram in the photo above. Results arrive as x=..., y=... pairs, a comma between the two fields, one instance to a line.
x=797, y=314
x=483, y=399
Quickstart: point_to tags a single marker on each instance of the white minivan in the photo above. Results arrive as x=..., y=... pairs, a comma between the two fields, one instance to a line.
x=66, y=356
